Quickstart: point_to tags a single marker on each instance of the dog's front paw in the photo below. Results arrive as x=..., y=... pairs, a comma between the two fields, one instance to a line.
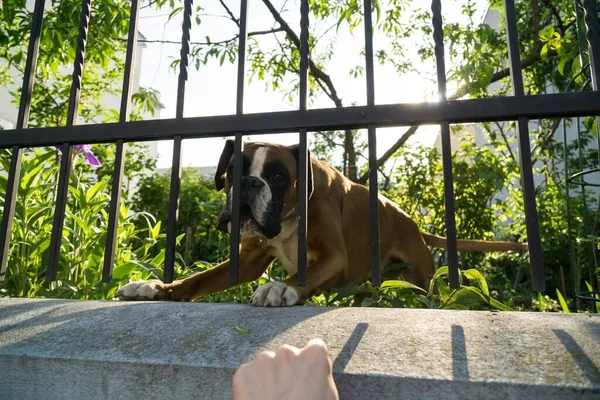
x=275, y=294
x=140, y=290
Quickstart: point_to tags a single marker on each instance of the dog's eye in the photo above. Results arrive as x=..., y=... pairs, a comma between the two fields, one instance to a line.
x=277, y=178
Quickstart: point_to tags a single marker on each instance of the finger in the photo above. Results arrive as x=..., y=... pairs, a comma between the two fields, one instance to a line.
x=316, y=343
x=265, y=355
x=316, y=350
x=287, y=350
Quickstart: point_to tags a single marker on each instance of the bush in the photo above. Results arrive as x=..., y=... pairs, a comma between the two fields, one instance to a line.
x=199, y=209
x=84, y=234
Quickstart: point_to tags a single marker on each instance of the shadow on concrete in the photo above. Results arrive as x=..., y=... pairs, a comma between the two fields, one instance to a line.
x=345, y=355
x=587, y=366
x=28, y=312
x=460, y=366
x=132, y=331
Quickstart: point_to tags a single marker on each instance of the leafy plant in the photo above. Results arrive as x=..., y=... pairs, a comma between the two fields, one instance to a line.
x=199, y=209
x=84, y=234
x=402, y=294
x=562, y=301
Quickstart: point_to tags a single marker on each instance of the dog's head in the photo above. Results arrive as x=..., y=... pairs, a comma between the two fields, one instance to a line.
x=268, y=190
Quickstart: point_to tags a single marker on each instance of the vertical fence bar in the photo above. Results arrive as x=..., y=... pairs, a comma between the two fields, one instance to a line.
x=173, y=213
x=585, y=216
x=572, y=260
x=237, y=149
x=115, y=195
x=372, y=132
x=531, y=219
x=14, y=171
x=592, y=25
x=303, y=158
x=67, y=149
x=438, y=37
x=580, y=25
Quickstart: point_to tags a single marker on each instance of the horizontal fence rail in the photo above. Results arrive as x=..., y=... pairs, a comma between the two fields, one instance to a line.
x=562, y=105
x=519, y=107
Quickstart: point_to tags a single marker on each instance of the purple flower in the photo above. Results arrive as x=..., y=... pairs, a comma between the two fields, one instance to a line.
x=87, y=150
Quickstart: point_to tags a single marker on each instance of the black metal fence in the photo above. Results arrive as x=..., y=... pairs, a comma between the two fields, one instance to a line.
x=519, y=107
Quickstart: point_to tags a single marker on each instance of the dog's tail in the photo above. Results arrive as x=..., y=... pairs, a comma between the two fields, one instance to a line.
x=473, y=245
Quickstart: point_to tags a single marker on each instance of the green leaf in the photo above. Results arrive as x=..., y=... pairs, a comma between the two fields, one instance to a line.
x=562, y=301
x=441, y=271
x=349, y=291
x=492, y=302
x=175, y=11
x=155, y=231
x=396, y=303
x=158, y=260
x=93, y=191
x=591, y=289
x=81, y=223
x=123, y=270
x=453, y=305
x=9, y=10
x=69, y=284
x=241, y=331
x=367, y=302
x=400, y=285
x=544, y=52
x=425, y=301
x=562, y=64
x=576, y=65
x=377, y=6
x=474, y=275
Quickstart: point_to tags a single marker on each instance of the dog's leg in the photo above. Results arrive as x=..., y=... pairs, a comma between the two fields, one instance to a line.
x=328, y=263
x=253, y=262
x=288, y=293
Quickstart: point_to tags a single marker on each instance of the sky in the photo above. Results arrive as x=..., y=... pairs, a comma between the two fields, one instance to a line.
x=211, y=90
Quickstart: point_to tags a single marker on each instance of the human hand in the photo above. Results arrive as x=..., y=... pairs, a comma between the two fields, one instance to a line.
x=290, y=374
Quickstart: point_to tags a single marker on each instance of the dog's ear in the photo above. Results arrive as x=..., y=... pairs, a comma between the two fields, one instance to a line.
x=295, y=150
x=223, y=163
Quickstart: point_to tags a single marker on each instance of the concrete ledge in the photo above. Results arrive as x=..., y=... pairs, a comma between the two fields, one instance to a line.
x=59, y=349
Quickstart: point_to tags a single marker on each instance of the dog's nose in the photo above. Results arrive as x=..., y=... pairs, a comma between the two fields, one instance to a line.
x=252, y=182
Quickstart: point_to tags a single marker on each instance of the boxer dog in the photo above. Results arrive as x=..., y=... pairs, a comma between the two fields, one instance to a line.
x=337, y=238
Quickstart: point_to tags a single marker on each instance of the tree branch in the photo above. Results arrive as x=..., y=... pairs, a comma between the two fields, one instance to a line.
x=178, y=42
x=561, y=24
x=464, y=90
x=314, y=70
x=233, y=18
x=505, y=140
x=150, y=4
x=390, y=152
x=319, y=74
x=525, y=63
x=331, y=142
